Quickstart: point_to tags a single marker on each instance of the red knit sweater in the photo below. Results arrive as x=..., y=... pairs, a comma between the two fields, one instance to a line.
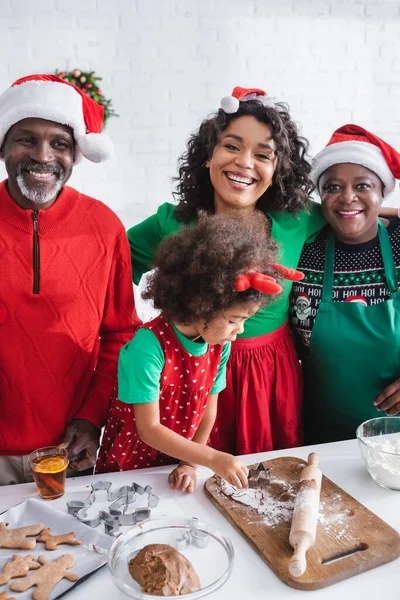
x=66, y=308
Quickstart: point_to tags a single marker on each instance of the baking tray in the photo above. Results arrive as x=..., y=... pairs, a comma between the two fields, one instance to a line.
x=87, y=560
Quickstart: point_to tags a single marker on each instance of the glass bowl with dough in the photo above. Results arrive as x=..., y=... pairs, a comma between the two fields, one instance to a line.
x=169, y=557
x=379, y=443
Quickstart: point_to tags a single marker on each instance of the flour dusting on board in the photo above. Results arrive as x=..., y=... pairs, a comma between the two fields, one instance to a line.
x=275, y=503
x=335, y=517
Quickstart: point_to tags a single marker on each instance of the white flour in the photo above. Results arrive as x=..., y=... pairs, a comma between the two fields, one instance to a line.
x=273, y=509
x=383, y=466
x=334, y=517
x=278, y=507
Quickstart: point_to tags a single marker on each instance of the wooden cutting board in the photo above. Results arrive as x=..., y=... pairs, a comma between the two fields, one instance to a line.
x=350, y=538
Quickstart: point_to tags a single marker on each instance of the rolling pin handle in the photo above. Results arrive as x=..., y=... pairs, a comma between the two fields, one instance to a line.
x=298, y=562
x=313, y=459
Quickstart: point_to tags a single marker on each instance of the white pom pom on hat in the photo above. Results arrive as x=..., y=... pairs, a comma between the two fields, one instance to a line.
x=50, y=97
x=354, y=144
x=95, y=147
x=230, y=104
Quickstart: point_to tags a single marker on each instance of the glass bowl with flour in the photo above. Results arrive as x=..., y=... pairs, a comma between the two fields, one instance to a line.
x=379, y=443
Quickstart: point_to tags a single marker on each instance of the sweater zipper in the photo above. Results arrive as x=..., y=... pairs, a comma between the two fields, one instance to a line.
x=36, y=253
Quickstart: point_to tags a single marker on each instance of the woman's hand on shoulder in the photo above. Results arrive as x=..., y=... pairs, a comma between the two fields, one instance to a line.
x=183, y=478
x=389, y=399
x=230, y=468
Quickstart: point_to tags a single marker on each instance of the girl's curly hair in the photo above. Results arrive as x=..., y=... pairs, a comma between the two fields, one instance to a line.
x=197, y=267
x=291, y=185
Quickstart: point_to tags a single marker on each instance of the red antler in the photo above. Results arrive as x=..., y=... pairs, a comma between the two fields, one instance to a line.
x=242, y=282
x=258, y=281
x=287, y=273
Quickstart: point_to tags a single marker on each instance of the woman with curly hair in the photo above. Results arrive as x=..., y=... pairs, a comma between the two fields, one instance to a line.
x=208, y=280
x=247, y=157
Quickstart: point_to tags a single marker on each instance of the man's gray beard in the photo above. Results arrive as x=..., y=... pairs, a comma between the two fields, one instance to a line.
x=37, y=196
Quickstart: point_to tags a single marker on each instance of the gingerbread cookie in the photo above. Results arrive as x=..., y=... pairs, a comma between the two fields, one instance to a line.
x=52, y=541
x=3, y=596
x=19, y=538
x=47, y=577
x=18, y=566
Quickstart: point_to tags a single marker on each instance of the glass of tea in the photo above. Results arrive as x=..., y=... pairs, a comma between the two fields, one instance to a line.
x=49, y=469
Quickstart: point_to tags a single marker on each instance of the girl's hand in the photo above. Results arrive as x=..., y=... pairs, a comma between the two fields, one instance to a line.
x=183, y=478
x=231, y=469
x=389, y=399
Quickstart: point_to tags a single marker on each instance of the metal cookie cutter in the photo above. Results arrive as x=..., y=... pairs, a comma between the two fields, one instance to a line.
x=117, y=515
x=192, y=536
x=260, y=477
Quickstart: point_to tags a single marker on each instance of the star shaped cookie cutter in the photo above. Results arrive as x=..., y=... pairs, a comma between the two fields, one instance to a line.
x=116, y=516
x=193, y=536
x=260, y=477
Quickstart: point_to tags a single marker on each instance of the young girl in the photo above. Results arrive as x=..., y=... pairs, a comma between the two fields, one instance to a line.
x=209, y=279
x=248, y=156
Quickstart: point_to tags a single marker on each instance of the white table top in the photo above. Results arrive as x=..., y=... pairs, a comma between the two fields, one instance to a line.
x=251, y=577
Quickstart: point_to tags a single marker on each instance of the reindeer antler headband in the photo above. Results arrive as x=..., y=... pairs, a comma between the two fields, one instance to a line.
x=265, y=283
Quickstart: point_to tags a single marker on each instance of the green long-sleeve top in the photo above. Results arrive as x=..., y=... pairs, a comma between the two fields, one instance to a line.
x=288, y=230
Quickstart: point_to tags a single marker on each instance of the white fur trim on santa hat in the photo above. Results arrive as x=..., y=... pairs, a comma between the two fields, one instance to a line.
x=52, y=101
x=264, y=99
x=360, y=153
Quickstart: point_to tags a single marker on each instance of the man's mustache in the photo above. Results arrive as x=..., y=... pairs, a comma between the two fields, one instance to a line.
x=40, y=168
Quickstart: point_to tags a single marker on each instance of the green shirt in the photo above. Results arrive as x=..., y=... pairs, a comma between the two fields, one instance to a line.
x=142, y=360
x=288, y=230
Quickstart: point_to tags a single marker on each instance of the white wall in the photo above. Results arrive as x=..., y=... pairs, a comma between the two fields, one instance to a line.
x=167, y=63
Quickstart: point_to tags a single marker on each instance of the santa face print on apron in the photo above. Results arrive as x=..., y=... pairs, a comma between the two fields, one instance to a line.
x=354, y=354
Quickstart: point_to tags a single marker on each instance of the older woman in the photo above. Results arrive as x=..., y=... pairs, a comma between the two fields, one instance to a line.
x=346, y=311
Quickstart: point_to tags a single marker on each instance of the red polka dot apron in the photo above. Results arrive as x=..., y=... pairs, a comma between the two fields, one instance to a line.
x=185, y=384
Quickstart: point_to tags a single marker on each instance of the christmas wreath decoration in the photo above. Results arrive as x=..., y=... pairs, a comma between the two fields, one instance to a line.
x=87, y=82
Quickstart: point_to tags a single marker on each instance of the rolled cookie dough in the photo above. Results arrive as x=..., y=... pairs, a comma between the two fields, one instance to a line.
x=163, y=571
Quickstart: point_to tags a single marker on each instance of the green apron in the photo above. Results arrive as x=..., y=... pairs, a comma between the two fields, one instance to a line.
x=354, y=354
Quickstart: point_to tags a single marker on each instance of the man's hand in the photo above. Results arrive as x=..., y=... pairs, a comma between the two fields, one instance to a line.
x=389, y=399
x=183, y=478
x=81, y=438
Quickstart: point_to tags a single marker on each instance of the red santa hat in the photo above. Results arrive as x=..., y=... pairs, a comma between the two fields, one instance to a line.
x=51, y=98
x=353, y=144
x=302, y=296
x=358, y=299
x=230, y=104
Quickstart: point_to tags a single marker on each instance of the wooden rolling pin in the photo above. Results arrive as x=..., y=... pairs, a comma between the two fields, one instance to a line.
x=305, y=515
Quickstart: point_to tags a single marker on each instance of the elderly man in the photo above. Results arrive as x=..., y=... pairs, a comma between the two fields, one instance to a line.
x=66, y=298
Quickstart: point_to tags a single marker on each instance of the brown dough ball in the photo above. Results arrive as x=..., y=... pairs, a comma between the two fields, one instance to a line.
x=163, y=571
